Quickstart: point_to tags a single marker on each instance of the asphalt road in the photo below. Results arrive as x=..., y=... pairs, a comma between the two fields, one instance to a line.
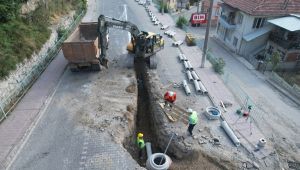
x=58, y=141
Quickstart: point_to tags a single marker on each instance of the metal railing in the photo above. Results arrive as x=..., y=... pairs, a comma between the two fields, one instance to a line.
x=7, y=103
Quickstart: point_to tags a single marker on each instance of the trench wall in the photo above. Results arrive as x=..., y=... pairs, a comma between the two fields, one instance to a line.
x=160, y=123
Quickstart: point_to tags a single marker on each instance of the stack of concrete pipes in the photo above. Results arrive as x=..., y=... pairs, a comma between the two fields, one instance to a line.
x=192, y=77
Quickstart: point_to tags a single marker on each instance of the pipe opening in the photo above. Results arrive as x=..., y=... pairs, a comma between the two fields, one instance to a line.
x=160, y=160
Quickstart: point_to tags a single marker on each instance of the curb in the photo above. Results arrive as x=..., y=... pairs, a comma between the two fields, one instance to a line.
x=286, y=94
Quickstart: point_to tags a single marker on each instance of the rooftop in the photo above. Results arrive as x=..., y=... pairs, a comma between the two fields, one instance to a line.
x=290, y=23
x=266, y=7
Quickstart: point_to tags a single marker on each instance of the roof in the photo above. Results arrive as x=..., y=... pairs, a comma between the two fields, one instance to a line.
x=290, y=23
x=257, y=33
x=266, y=7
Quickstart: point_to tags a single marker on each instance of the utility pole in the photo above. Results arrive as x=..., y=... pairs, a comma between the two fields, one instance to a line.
x=162, y=7
x=207, y=34
x=198, y=3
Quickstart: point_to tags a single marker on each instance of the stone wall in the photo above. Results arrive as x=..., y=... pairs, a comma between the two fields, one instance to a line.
x=16, y=83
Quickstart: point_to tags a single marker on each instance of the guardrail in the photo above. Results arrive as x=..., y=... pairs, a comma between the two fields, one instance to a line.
x=7, y=103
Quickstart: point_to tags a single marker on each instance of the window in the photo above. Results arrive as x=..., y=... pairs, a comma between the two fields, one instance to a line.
x=258, y=23
x=235, y=40
x=240, y=18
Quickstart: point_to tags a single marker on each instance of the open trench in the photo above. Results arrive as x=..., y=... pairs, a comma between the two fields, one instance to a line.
x=143, y=117
x=151, y=122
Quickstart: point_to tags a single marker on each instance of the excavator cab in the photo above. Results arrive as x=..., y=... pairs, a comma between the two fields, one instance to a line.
x=142, y=45
x=151, y=42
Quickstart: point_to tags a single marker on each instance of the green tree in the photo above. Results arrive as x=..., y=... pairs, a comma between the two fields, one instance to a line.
x=275, y=59
x=181, y=22
x=163, y=6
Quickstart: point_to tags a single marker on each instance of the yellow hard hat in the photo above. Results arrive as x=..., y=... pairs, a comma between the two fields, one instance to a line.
x=140, y=135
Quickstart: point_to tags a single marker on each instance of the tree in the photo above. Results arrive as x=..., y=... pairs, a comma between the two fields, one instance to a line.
x=181, y=22
x=275, y=59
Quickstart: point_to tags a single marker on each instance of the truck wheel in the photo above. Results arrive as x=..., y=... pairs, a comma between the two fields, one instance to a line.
x=153, y=62
x=95, y=67
x=74, y=68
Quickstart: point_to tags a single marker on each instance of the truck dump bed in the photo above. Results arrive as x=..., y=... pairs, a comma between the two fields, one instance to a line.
x=81, y=48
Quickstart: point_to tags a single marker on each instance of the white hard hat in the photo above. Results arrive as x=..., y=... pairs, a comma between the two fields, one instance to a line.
x=190, y=110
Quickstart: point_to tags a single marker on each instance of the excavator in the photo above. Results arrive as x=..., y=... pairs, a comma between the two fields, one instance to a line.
x=142, y=44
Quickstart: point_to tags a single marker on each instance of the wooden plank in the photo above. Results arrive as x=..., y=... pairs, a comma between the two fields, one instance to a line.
x=168, y=115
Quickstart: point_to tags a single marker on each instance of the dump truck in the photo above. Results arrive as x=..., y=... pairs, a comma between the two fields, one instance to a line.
x=81, y=48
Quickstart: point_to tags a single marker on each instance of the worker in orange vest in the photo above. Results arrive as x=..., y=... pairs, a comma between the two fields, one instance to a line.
x=170, y=97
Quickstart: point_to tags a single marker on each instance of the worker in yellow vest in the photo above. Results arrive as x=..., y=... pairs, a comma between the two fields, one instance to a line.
x=141, y=144
x=193, y=120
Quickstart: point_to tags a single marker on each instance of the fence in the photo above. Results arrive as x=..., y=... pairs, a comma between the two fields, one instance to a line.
x=9, y=102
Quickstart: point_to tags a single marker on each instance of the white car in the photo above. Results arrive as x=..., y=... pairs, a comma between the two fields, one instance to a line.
x=177, y=43
x=164, y=27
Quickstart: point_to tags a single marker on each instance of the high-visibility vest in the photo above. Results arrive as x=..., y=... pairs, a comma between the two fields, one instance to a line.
x=193, y=118
x=140, y=142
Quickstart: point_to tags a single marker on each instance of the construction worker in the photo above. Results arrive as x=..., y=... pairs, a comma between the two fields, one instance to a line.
x=193, y=119
x=141, y=144
x=169, y=97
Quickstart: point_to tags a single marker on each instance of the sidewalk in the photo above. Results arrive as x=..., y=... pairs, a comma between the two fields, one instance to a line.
x=219, y=92
x=16, y=127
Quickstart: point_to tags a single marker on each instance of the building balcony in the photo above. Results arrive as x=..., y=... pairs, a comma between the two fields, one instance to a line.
x=288, y=44
x=227, y=22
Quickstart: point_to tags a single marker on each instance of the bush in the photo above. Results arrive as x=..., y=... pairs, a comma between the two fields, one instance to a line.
x=218, y=64
x=22, y=36
x=181, y=21
x=165, y=6
x=61, y=31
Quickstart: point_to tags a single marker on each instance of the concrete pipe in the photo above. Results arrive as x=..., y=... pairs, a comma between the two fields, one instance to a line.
x=189, y=65
x=158, y=161
x=186, y=87
x=230, y=133
x=184, y=57
x=195, y=76
x=148, y=149
x=213, y=113
x=262, y=142
x=189, y=75
x=203, y=89
x=185, y=65
x=180, y=57
x=197, y=87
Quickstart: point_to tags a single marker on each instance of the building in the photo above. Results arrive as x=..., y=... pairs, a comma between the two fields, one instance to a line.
x=285, y=39
x=215, y=11
x=243, y=24
x=181, y=4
